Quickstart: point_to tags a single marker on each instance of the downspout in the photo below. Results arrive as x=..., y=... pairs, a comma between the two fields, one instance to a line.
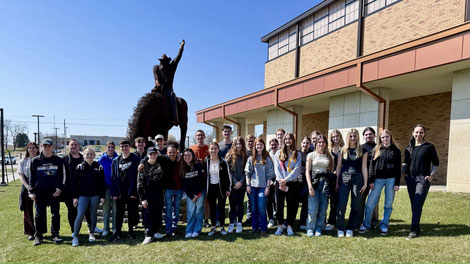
x=239, y=127
x=296, y=116
x=297, y=52
x=360, y=29
x=209, y=124
x=382, y=102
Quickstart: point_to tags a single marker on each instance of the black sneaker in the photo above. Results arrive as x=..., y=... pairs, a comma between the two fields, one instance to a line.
x=31, y=237
x=57, y=240
x=412, y=235
x=114, y=237
x=131, y=235
x=206, y=223
x=37, y=241
x=168, y=235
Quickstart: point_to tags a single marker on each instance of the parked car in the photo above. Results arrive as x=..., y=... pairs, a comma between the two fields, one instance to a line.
x=9, y=160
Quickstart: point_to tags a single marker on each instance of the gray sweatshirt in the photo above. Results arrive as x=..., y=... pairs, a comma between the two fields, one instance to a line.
x=259, y=174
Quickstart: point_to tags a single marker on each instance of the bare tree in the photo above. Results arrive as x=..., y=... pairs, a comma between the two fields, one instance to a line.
x=15, y=129
x=6, y=132
x=210, y=138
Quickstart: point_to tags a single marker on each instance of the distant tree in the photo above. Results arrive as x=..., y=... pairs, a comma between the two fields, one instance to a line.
x=15, y=129
x=21, y=140
x=6, y=132
x=209, y=138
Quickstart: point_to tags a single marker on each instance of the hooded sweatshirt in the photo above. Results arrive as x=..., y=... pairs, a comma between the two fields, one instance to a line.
x=106, y=161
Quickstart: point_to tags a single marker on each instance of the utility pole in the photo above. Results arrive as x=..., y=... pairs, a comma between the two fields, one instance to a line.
x=35, y=136
x=3, y=183
x=56, y=128
x=38, y=116
x=65, y=138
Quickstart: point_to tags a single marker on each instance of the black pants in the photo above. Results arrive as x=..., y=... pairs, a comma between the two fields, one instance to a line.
x=333, y=207
x=28, y=216
x=303, y=198
x=271, y=203
x=72, y=214
x=132, y=212
x=237, y=209
x=418, y=189
x=291, y=197
x=216, y=204
x=153, y=213
x=44, y=198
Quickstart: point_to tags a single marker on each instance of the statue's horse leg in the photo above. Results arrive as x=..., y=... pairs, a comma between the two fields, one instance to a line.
x=183, y=121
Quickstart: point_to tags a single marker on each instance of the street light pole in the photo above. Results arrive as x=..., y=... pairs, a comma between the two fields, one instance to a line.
x=38, y=116
x=3, y=183
x=56, y=128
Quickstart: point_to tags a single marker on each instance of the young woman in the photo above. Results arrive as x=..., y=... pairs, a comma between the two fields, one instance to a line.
x=335, y=143
x=384, y=172
x=303, y=187
x=319, y=163
x=26, y=204
x=219, y=182
x=236, y=159
x=271, y=199
x=150, y=189
x=287, y=167
x=88, y=191
x=192, y=172
x=351, y=175
x=419, y=155
x=259, y=172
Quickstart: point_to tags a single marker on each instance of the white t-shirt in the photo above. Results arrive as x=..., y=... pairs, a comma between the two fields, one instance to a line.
x=214, y=172
x=320, y=162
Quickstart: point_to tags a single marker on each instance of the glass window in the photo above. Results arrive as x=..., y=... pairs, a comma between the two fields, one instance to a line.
x=283, y=42
x=273, y=50
x=374, y=5
x=307, y=30
x=292, y=37
x=352, y=11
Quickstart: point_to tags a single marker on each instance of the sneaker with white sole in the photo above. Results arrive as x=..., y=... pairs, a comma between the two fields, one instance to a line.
x=158, y=236
x=318, y=233
x=230, y=228
x=383, y=231
x=105, y=233
x=91, y=238
x=329, y=227
x=212, y=232
x=303, y=227
x=98, y=230
x=239, y=228
x=147, y=240
x=223, y=231
x=271, y=223
x=290, y=232
x=75, y=242
x=279, y=230
x=340, y=233
x=188, y=235
x=309, y=233
x=195, y=234
x=349, y=233
x=363, y=230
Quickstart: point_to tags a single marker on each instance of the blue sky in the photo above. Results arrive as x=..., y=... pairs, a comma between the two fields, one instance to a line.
x=90, y=61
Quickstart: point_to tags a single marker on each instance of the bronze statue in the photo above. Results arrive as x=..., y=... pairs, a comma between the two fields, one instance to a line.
x=158, y=111
x=164, y=75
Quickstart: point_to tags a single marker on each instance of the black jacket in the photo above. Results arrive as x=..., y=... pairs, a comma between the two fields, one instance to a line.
x=150, y=181
x=70, y=165
x=89, y=180
x=387, y=165
x=46, y=173
x=225, y=179
x=193, y=180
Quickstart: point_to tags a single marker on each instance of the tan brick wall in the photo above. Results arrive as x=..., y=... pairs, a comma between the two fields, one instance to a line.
x=316, y=121
x=432, y=111
x=279, y=70
x=332, y=49
x=408, y=20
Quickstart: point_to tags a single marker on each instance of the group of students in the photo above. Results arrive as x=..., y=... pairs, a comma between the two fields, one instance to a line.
x=324, y=171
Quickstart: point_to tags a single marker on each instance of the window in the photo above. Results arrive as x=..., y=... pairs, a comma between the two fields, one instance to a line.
x=336, y=15
x=373, y=5
x=85, y=142
x=92, y=142
x=292, y=38
x=307, y=30
x=352, y=11
x=98, y=142
x=283, y=43
x=273, y=52
x=320, y=26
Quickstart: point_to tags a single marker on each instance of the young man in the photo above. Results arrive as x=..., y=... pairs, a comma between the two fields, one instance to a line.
x=201, y=150
x=313, y=136
x=250, y=140
x=46, y=181
x=226, y=143
x=369, y=138
x=160, y=144
x=109, y=204
x=280, y=136
x=140, y=147
x=71, y=161
x=124, y=189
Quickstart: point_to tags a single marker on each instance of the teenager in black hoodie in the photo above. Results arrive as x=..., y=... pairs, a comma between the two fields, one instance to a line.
x=384, y=172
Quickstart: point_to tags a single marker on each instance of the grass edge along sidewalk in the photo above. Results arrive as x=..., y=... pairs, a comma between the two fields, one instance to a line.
x=445, y=221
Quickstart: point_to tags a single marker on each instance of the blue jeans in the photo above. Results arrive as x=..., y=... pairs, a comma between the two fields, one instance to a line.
x=317, y=208
x=172, y=211
x=258, y=209
x=374, y=196
x=195, y=213
x=108, y=205
x=83, y=203
x=343, y=195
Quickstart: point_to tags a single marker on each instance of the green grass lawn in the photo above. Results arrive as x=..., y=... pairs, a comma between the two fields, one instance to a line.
x=445, y=221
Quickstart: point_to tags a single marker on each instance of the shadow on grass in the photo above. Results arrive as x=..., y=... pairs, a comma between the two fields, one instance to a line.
x=428, y=230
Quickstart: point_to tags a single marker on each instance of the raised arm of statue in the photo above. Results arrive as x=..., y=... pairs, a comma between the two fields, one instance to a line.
x=180, y=53
x=157, y=83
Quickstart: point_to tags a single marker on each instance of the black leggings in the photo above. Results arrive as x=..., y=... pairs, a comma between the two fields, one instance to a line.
x=291, y=197
x=216, y=203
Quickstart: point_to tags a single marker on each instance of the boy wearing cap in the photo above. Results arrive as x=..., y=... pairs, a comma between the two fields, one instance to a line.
x=160, y=144
x=46, y=181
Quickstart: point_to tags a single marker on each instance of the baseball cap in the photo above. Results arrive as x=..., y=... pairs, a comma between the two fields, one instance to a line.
x=159, y=136
x=47, y=141
x=151, y=150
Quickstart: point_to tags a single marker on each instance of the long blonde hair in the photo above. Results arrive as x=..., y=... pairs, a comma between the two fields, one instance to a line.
x=283, y=156
x=331, y=144
x=377, y=147
x=346, y=147
x=325, y=151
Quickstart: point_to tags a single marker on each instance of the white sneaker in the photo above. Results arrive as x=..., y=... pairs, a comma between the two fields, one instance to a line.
x=309, y=233
x=303, y=227
x=349, y=233
x=195, y=234
x=188, y=235
x=105, y=233
x=223, y=232
x=75, y=242
x=271, y=223
x=279, y=230
x=217, y=223
x=340, y=233
x=317, y=233
x=158, y=235
x=98, y=230
x=230, y=228
x=147, y=241
x=329, y=227
x=239, y=228
x=91, y=238
x=212, y=232
x=290, y=232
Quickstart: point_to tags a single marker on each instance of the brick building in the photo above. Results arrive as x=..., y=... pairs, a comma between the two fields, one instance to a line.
x=357, y=63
